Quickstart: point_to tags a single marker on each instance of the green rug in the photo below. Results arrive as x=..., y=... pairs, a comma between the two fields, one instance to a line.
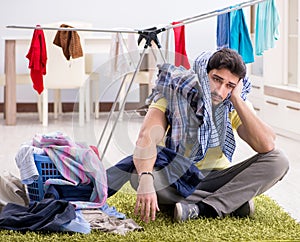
x=270, y=223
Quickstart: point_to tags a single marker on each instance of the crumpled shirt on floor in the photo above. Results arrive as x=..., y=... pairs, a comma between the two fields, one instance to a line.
x=12, y=191
x=101, y=221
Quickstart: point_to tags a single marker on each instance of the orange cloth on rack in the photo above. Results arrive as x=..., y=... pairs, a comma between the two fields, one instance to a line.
x=180, y=52
x=37, y=56
x=69, y=41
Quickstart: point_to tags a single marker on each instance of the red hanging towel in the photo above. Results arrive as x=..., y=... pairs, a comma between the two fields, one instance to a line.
x=37, y=56
x=180, y=52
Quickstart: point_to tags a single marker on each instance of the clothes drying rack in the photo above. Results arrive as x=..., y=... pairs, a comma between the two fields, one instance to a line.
x=150, y=36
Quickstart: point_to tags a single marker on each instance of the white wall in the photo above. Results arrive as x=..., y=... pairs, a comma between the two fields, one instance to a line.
x=133, y=14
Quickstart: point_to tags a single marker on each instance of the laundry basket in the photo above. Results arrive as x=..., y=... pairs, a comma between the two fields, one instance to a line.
x=46, y=170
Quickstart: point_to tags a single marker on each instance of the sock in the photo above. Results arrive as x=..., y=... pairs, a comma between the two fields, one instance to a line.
x=206, y=210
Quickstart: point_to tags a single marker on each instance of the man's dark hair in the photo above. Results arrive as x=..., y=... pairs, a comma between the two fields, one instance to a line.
x=228, y=59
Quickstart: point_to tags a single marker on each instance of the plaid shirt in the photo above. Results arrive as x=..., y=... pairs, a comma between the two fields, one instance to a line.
x=194, y=125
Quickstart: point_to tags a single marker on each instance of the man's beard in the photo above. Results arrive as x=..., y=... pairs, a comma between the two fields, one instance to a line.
x=216, y=99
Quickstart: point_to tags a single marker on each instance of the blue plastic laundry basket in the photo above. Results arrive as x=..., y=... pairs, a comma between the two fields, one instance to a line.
x=47, y=170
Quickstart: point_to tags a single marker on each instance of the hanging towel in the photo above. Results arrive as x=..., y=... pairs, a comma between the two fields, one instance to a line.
x=37, y=56
x=266, y=30
x=180, y=52
x=133, y=50
x=223, y=30
x=167, y=43
x=239, y=36
x=119, y=64
x=69, y=41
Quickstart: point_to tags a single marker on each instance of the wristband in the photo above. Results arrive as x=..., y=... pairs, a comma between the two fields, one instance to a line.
x=146, y=173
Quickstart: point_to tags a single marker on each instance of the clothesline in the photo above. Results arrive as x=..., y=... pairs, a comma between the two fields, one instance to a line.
x=214, y=13
x=170, y=26
x=72, y=29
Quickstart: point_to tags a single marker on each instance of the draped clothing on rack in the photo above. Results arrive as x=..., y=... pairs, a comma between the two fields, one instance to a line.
x=180, y=52
x=123, y=56
x=223, y=30
x=69, y=41
x=239, y=36
x=232, y=32
x=37, y=56
x=266, y=29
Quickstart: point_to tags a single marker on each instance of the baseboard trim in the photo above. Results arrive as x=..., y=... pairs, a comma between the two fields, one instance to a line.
x=69, y=107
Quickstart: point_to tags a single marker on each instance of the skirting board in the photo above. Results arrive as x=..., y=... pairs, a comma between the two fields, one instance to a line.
x=68, y=107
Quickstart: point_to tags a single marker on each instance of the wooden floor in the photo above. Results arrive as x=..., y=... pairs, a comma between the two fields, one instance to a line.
x=286, y=192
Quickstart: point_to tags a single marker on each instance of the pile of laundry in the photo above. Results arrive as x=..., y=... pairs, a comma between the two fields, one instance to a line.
x=75, y=203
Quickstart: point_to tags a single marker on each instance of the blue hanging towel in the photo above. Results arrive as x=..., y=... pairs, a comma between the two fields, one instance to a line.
x=223, y=30
x=266, y=30
x=239, y=36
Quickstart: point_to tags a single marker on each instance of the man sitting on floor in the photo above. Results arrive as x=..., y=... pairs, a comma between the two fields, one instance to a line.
x=194, y=113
